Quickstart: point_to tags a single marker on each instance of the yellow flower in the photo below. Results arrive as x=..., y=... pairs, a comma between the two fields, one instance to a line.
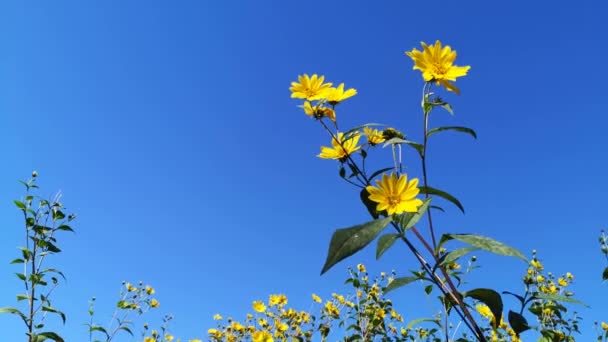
x=395, y=195
x=279, y=299
x=361, y=268
x=319, y=112
x=374, y=136
x=149, y=339
x=214, y=333
x=169, y=338
x=316, y=298
x=259, y=306
x=605, y=326
x=435, y=63
x=569, y=276
x=337, y=95
x=562, y=282
x=536, y=264
x=331, y=309
x=154, y=303
x=340, y=151
x=195, y=340
x=149, y=290
x=262, y=336
x=540, y=278
x=309, y=88
x=130, y=287
x=281, y=326
x=485, y=311
x=217, y=317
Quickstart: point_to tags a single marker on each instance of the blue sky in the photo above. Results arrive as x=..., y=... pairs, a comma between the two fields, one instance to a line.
x=169, y=128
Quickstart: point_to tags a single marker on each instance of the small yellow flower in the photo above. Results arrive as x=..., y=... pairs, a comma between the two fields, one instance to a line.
x=214, y=333
x=562, y=282
x=154, y=303
x=319, y=112
x=149, y=290
x=169, y=338
x=485, y=311
x=261, y=336
x=395, y=195
x=149, y=339
x=436, y=64
x=316, y=298
x=337, y=95
x=540, y=278
x=259, y=306
x=196, y=340
x=569, y=276
x=217, y=317
x=130, y=287
x=374, y=136
x=279, y=299
x=605, y=326
x=281, y=326
x=341, y=150
x=361, y=268
x=309, y=88
x=537, y=264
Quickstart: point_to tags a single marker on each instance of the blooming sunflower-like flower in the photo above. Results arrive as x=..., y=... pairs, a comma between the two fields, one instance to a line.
x=309, y=88
x=436, y=64
x=374, y=136
x=259, y=306
x=261, y=336
x=337, y=95
x=395, y=195
x=319, y=111
x=340, y=151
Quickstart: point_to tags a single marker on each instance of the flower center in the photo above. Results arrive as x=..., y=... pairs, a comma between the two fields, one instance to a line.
x=439, y=69
x=393, y=200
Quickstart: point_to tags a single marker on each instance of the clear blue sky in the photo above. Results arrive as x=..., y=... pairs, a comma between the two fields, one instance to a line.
x=169, y=128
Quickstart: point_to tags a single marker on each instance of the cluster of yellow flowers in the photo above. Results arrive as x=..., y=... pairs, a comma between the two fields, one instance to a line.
x=137, y=296
x=365, y=312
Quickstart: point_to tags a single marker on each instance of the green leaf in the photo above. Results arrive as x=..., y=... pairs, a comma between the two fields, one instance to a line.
x=455, y=254
x=21, y=297
x=452, y=128
x=428, y=289
x=53, y=310
x=432, y=191
x=17, y=261
x=490, y=298
x=394, y=141
x=559, y=298
x=20, y=205
x=437, y=208
x=51, y=336
x=488, y=244
x=518, y=322
x=605, y=274
x=14, y=312
x=65, y=227
x=127, y=330
x=347, y=241
x=384, y=243
x=416, y=146
x=20, y=276
x=422, y=320
x=399, y=282
x=408, y=220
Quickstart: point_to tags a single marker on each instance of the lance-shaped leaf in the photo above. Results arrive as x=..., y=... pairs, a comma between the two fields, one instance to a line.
x=53, y=310
x=384, y=243
x=399, y=282
x=48, y=336
x=559, y=298
x=487, y=244
x=490, y=298
x=432, y=191
x=369, y=204
x=348, y=241
x=605, y=274
x=452, y=128
x=408, y=220
x=518, y=322
x=455, y=254
x=14, y=312
x=422, y=320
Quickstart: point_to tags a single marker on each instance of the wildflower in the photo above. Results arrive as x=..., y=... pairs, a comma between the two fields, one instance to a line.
x=149, y=339
x=309, y=88
x=540, y=278
x=130, y=287
x=537, y=264
x=316, y=298
x=391, y=133
x=485, y=311
x=435, y=63
x=361, y=268
x=149, y=290
x=154, y=303
x=562, y=282
x=279, y=299
x=217, y=317
x=395, y=195
x=169, y=338
x=261, y=336
x=214, y=333
x=259, y=306
x=331, y=309
x=197, y=340
x=337, y=95
x=604, y=326
x=319, y=112
x=281, y=326
x=340, y=150
x=569, y=276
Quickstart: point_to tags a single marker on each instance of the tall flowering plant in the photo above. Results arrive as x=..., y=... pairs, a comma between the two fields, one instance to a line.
x=397, y=200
